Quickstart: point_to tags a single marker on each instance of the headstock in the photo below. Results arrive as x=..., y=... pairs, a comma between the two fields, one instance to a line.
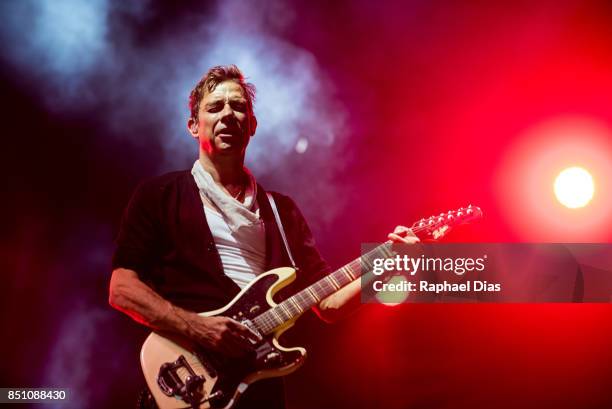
x=436, y=227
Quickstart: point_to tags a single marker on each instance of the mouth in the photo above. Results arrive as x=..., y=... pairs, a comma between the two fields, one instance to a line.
x=230, y=138
x=229, y=133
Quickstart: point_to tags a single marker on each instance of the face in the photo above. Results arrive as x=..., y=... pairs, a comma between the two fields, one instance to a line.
x=224, y=125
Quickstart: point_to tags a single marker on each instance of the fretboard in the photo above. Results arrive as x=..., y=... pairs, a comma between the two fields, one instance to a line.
x=294, y=306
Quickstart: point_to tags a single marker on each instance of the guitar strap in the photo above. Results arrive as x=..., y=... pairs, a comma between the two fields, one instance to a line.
x=279, y=223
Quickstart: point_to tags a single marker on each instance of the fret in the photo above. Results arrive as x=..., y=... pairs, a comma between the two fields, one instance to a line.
x=340, y=278
x=364, y=261
x=387, y=250
x=297, y=306
x=347, y=271
x=270, y=325
x=376, y=252
x=292, y=307
x=263, y=326
x=333, y=282
x=285, y=310
x=321, y=287
x=313, y=294
x=289, y=308
x=355, y=267
x=302, y=301
x=299, y=297
x=306, y=298
x=276, y=314
x=270, y=317
x=263, y=322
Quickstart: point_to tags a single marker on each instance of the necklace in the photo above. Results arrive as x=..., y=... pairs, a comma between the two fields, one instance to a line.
x=238, y=194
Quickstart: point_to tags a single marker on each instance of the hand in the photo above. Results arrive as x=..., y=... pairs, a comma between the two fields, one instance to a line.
x=221, y=334
x=403, y=234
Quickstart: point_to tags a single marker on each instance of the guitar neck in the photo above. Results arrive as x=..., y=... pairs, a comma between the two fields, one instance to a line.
x=432, y=228
x=310, y=296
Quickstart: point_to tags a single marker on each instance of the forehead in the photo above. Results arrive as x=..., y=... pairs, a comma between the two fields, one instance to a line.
x=225, y=90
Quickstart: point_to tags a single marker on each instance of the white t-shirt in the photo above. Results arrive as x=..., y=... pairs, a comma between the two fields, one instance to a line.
x=243, y=253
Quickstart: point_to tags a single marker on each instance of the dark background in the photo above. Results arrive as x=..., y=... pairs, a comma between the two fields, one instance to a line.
x=407, y=109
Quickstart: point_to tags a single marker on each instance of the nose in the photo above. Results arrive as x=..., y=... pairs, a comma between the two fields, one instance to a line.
x=227, y=112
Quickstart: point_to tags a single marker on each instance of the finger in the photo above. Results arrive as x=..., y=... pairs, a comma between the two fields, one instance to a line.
x=408, y=239
x=243, y=331
x=395, y=238
x=401, y=230
x=410, y=233
x=235, y=326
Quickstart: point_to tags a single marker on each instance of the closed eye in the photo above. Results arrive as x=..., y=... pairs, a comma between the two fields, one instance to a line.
x=238, y=106
x=214, y=107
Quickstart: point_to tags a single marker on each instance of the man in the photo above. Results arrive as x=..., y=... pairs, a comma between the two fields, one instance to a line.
x=190, y=240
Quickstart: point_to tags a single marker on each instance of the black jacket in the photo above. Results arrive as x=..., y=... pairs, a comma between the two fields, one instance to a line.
x=165, y=238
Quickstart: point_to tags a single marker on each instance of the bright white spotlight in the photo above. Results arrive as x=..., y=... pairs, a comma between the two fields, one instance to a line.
x=574, y=187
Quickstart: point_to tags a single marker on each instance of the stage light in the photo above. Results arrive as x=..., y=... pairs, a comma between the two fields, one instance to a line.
x=574, y=187
x=542, y=191
x=301, y=145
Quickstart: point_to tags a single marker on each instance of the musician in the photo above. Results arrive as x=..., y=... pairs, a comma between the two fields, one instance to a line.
x=190, y=240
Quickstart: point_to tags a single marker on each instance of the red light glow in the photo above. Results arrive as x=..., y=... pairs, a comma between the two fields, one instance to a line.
x=525, y=177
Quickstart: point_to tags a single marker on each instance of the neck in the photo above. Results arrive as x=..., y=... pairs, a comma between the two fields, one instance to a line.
x=226, y=171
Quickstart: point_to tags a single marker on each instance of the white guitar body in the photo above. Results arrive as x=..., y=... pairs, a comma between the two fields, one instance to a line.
x=176, y=385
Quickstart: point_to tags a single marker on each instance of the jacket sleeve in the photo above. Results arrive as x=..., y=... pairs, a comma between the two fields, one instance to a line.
x=139, y=234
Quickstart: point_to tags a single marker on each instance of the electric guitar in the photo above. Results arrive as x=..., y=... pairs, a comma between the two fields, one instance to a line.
x=182, y=374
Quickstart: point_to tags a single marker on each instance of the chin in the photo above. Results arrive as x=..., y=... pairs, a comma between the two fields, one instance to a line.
x=229, y=150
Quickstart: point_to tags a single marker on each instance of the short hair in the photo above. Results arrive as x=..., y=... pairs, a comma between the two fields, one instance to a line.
x=215, y=76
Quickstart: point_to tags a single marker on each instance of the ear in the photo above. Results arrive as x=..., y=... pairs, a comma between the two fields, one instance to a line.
x=192, y=127
x=253, y=125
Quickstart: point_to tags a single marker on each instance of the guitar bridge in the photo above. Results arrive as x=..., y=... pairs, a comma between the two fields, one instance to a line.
x=171, y=384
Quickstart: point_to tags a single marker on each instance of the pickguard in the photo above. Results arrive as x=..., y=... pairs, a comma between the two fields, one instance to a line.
x=266, y=356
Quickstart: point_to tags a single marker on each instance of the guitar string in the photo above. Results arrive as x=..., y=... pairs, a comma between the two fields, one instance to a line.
x=266, y=318
x=270, y=322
